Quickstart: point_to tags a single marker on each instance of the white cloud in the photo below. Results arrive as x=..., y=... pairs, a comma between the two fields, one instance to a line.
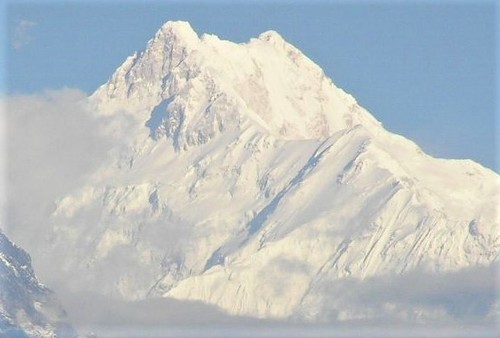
x=106, y=317
x=22, y=34
x=52, y=144
x=465, y=296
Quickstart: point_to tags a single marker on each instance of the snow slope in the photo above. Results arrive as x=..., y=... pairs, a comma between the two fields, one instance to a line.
x=27, y=308
x=250, y=181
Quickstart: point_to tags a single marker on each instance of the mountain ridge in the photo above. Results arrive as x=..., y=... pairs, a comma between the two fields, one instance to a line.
x=251, y=182
x=166, y=64
x=27, y=307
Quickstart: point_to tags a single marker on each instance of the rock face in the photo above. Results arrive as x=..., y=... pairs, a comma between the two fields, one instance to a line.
x=250, y=181
x=27, y=308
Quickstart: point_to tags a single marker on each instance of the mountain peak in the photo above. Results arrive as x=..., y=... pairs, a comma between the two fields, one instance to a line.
x=178, y=31
x=190, y=88
x=238, y=161
x=271, y=36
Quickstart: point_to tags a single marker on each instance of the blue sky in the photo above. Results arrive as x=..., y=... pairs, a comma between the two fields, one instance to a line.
x=427, y=70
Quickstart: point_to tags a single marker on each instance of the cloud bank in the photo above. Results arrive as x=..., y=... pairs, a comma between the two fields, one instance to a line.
x=52, y=144
x=417, y=304
x=465, y=296
x=111, y=318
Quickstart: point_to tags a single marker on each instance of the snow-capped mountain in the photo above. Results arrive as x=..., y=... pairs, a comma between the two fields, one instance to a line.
x=27, y=308
x=246, y=179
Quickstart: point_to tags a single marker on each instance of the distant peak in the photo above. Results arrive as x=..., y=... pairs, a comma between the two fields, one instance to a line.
x=271, y=36
x=181, y=30
x=266, y=80
x=176, y=26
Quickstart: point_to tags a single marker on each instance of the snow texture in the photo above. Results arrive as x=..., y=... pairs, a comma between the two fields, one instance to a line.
x=27, y=308
x=252, y=182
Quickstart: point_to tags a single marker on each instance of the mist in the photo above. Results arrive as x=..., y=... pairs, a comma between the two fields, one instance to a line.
x=53, y=143
x=457, y=304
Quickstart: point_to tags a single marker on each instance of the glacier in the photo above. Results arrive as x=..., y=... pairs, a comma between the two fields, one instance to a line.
x=246, y=179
